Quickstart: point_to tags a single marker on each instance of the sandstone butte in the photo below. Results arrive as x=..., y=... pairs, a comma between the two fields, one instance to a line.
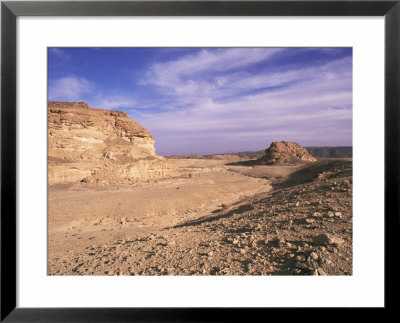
x=285, y=154
x=93, y=145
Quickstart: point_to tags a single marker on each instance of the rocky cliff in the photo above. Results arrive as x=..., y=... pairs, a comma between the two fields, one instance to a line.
x=285, y=154
x=100, y=146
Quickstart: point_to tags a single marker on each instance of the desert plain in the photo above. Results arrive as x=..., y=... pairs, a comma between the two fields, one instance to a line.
x=117, y=208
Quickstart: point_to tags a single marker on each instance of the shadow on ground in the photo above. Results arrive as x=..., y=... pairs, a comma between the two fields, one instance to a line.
x=321, y=168
x=239, y=210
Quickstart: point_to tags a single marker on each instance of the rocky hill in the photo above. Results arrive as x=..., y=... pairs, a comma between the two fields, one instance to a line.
x=100, y=146
x=285, y=154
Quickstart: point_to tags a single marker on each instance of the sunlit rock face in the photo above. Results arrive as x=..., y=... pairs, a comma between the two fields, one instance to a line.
x=100, y=146
x=286, y=154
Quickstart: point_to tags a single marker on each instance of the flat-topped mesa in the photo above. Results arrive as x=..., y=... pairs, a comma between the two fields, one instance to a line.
x=78, y=115
x=62, y=105
x=95, y=145
x=285, y=154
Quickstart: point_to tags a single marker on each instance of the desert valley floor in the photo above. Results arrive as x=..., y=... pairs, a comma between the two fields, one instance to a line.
x=221, y=219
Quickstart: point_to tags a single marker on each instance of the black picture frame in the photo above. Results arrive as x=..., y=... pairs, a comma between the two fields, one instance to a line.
x=10, y=10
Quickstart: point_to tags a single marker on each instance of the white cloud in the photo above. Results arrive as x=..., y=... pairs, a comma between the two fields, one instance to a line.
x=211, y=75
x=113, y=101
x=311, y=104
x=199, y=76
x=207, y=61
x=72, y=88
x=216, y=98
x=69, y=88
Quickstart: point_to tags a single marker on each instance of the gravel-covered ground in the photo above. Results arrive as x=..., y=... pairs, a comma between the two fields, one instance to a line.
x=303, y=226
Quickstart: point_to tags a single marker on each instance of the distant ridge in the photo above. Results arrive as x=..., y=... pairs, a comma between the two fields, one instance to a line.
x=316, y=151
x=331, y=152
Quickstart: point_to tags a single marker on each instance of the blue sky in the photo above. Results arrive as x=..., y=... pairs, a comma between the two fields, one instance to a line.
x=215, y=100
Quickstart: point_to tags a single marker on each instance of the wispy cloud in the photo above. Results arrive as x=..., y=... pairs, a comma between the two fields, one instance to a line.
x=113, y=102
x=217, y=100
x=72, y=88
x=208, y=61
x=204, y=74
x=69, y=88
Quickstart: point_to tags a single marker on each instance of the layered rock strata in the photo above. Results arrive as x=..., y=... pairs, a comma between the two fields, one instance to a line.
x=100, y=146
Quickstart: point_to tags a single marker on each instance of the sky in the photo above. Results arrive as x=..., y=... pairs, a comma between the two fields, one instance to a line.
x=215, y=100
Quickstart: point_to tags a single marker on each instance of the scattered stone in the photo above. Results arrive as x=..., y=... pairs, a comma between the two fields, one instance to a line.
x=338, y=214
x=301, y=258
x=301, y=265
x=313, y=256
x=315, y=272
x=326, y=239
x=321, y=272
x=330, y=214
x=309, y=221
x=316, y=214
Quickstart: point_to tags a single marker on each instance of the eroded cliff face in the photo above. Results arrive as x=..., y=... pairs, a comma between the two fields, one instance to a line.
x=286, y=154
x=100, y=146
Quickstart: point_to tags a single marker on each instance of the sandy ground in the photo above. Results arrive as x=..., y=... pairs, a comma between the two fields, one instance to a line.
x=81, y=214
x=223, y=220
